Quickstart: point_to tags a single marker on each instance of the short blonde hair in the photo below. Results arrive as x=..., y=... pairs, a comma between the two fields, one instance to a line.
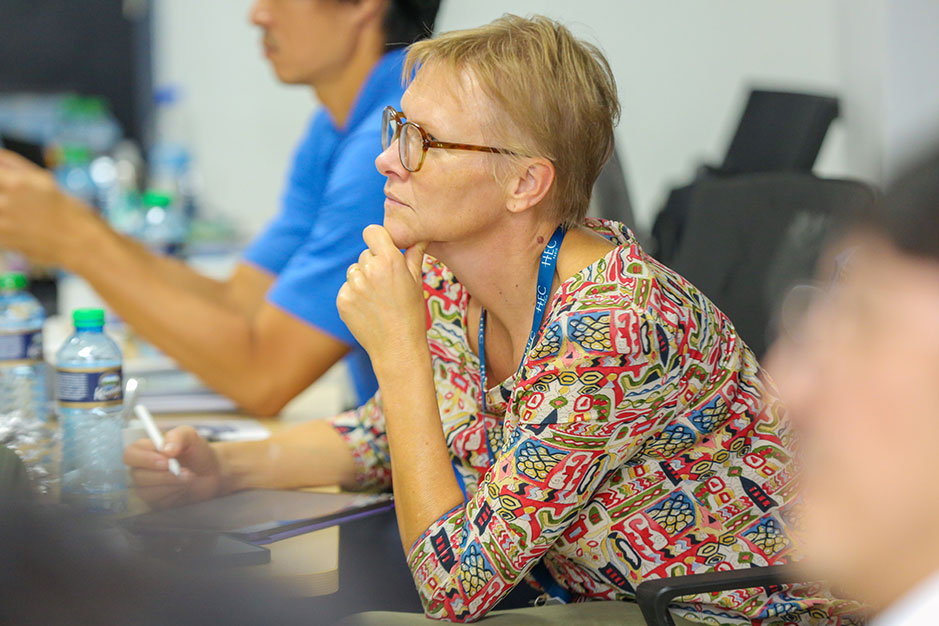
x=557, y=94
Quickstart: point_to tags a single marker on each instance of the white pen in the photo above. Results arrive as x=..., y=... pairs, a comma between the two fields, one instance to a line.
x=143, y=414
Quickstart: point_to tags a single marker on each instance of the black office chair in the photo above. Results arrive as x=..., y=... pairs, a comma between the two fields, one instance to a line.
x=749, y=239
x=654, y=596
x=778, y=131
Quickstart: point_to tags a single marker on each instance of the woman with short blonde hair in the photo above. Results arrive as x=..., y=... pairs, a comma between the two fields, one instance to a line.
x=555, y=406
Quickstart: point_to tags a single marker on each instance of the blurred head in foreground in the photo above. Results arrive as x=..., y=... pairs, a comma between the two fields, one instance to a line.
x=862, y=381
x=60, y=567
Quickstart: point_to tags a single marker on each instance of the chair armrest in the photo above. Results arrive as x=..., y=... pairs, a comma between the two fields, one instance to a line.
x=654, y=596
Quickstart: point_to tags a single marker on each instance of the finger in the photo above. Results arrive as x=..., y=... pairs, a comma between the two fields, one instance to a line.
x=181, y=440
x=414, y=258
x=365, y=256
x=379, y=241
x=139, y=449
x=11, y=177
x=12, y=160
x=7, y=176
x=344, y=301
x=140, y=458
x=357, y=281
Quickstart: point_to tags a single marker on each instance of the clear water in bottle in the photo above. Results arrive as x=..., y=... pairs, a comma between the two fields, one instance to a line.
x=24, y=399
x=89, y=402
x=74, y=175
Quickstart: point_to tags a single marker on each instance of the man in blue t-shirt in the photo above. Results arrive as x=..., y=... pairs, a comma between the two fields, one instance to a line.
x=272, y=328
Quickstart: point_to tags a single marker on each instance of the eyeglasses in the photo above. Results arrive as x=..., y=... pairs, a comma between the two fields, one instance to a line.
x=414, y=142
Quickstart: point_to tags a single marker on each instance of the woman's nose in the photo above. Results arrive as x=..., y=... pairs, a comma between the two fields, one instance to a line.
x=388, y=163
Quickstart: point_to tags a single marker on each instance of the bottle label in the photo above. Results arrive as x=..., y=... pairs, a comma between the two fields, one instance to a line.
x=21, y=347
x=89, y=388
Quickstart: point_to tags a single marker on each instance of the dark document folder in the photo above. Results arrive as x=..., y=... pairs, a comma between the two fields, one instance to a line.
x=265, y=515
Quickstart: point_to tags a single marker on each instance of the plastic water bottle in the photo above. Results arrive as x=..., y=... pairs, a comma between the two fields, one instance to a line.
x=24, y=401
x=87, y=121
x=89, y=397
x=164, y=227
x=74, y=176
x=22, y=369
x=171, y=160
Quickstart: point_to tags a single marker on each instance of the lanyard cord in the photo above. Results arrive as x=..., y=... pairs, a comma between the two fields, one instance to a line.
x=553, y=592
x=549, y=260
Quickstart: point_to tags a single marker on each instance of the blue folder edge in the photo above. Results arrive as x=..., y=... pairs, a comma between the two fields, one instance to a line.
x=264, y=533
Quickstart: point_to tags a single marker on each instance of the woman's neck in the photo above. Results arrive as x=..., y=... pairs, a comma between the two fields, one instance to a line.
x=500, y=273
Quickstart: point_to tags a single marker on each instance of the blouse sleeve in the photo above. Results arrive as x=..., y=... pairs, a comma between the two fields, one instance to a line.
x=563, y=435
x=363, y=430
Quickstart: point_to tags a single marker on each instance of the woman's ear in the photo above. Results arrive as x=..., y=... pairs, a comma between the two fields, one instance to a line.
x=530, y=186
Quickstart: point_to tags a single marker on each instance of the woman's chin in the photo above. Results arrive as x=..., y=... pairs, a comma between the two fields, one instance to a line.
x=400, y=234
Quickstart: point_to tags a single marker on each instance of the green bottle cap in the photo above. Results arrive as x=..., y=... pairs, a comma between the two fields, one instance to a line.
x=12, y=280
x=75, y=106
x=88, y=317
x=156, y=197
x=74, y=154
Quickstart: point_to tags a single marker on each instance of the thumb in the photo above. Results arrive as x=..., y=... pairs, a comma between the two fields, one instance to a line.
x=14, y=161
x=414, y=257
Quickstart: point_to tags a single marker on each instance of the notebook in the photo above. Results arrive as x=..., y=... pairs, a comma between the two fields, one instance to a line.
x=261, y=516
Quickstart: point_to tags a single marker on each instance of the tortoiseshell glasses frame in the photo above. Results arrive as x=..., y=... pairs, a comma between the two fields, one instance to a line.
x=394, y=126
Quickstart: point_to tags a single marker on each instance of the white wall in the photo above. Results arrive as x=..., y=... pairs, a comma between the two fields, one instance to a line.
x=912, y=82
x=862, y=51
x=683, y=68
x=242, y=121
x=889, y=51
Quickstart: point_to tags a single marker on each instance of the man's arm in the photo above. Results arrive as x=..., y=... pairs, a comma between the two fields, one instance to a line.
x=224, y=332
x=260, y=356
x=53, y=228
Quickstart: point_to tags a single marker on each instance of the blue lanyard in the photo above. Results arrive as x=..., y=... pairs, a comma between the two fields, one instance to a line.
x=553, y=592
x=549, y=260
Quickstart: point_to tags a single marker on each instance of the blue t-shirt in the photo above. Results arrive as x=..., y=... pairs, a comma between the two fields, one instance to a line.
x=333, y=192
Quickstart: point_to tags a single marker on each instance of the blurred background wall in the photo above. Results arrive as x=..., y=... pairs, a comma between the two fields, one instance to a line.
x=684, y=68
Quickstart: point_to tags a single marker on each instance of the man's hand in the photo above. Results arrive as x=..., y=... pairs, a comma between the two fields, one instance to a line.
x=382, y=301
x=200, y=478
x=37, y=218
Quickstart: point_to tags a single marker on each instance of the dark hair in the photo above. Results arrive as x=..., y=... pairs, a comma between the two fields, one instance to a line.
x=910, y=214
x=407, y=21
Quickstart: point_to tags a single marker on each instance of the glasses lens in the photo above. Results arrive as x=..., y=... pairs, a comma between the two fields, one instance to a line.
x=388, y=128
x=411, y=147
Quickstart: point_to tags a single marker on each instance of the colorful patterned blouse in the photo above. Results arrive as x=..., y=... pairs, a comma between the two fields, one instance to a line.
x=638, y=441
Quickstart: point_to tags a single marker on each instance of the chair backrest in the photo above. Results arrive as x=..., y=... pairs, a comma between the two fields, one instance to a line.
x=653, y=596
x=779, y=131
x=749, y=239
